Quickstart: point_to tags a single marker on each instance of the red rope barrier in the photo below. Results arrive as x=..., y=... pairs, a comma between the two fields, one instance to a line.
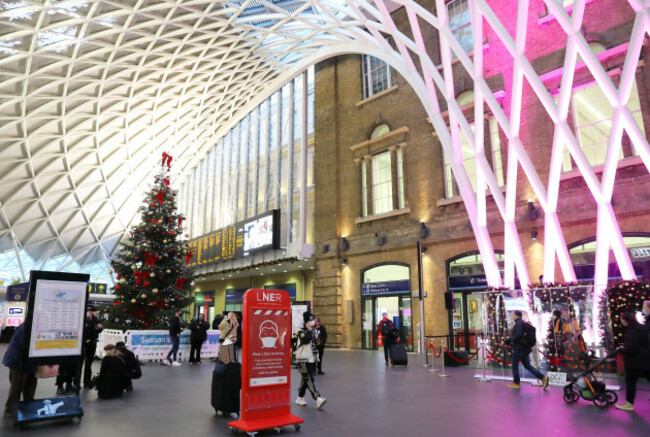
x=461, y=361
x=491, y=355
x=432, y=348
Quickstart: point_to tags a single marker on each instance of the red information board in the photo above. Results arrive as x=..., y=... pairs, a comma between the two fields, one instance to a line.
x=266, y=362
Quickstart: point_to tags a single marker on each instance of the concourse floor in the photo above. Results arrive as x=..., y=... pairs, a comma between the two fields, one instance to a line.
x=364, y=399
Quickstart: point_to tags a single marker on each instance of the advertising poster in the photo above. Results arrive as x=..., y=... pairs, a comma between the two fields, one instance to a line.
x=269, y=364
x=153, y=344
x=57, y=319
x=15, y=314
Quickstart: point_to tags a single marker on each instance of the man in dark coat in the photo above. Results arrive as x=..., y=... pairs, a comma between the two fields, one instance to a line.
x=21, y=375
x=636, y=357
x=113, y=376
x=321, y=338
x=92, y=328
x=646, y=313
x=199, y=333
x=521, y=352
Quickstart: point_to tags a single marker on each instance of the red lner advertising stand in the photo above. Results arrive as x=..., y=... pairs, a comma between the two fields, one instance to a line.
x=266, y=362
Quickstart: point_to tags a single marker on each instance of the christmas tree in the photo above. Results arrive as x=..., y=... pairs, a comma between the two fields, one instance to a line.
x=153, y=279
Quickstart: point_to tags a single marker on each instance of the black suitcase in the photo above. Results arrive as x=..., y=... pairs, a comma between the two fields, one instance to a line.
x=231, y=388
x=217, y=386
x=398, y=355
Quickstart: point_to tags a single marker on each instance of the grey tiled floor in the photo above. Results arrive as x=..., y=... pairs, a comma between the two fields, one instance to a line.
x=365, y=399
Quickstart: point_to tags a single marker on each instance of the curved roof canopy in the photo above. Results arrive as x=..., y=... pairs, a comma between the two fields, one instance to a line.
x=92, y=92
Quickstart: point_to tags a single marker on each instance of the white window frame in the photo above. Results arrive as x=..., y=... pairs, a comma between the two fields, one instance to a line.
x=369, y=74
x=454, y=8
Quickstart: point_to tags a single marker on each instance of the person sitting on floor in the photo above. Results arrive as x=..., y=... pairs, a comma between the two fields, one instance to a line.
x=132, y=363
x=113, y=376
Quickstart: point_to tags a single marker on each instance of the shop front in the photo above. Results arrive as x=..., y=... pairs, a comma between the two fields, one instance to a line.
x=466, y=284
x=386, y=288
x=204, y=304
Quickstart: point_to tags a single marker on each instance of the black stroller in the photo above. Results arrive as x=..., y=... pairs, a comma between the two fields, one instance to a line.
x=588, y=387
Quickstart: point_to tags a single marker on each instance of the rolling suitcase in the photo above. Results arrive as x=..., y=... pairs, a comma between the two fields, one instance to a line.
x=231, y=388
x=398, y=355
x=217, y=386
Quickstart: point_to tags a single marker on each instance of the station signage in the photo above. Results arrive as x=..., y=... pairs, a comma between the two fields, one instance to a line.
x=386, y=287
x=240, y=240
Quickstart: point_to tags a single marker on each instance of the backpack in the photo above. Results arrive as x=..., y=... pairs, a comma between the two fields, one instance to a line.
x=386, y=328
x=529, y=338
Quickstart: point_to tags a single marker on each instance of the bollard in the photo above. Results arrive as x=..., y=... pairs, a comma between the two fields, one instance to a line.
x=483, y=378
x=426, y=354
x=433, y=358
x=442, y=355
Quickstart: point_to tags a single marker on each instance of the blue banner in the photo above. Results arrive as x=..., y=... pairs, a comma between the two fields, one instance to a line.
x=387, y=287
x=235, y=294
x=18, y=292
x=289, y=288
x=144, y=339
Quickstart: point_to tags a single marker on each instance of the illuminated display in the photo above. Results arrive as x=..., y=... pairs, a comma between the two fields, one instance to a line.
x=240, y=240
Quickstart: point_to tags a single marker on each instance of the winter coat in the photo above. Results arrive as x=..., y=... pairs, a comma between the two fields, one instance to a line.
x=516, y=335
x=306, y=337
x=636, y=351
x=13, y=357
x=91, y=330
x=175, y=326
x=199, y=330
x=113, y=378
x=132, y=364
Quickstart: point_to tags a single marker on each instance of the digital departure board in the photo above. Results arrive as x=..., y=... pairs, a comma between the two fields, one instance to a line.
x=240, y=240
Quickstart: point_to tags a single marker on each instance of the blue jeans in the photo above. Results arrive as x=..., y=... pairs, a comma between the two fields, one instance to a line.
x=523, y=357
x=174, y=350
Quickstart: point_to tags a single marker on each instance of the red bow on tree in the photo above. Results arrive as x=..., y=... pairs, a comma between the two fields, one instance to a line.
x=180, y=221
x=180, y=283
x=167, y=160
x=188, y=257
x=160, y=197
x=141, y=276
x=150, y=259
x=166, y=181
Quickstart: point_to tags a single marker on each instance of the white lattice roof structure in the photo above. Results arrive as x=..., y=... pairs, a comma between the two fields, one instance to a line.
x=91, y=93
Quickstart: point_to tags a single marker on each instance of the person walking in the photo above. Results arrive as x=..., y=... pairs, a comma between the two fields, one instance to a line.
x=175, y=334
x=92, y=328
x=306, y=357
x=228, y=338
x=321, y=338
x=199, y=333
x=521, y=353
x=22, y=377
x=385, y=331
x=636, y=356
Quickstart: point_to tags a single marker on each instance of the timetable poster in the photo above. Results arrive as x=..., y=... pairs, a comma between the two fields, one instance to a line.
x=57, y=318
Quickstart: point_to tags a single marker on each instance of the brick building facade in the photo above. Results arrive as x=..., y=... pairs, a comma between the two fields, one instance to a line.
x=350, y=238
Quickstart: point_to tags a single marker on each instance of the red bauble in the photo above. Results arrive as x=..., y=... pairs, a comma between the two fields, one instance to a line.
x=117, y=287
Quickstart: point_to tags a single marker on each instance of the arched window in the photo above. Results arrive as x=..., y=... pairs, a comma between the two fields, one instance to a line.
x=379, y=131
x=583, y=256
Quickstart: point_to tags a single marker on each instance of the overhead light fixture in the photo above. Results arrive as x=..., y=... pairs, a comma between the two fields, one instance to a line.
x=345, y=244
x=344, y=262
x=533, y=235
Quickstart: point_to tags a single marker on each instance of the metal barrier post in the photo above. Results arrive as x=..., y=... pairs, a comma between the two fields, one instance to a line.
x=426, y=353
x=483, y=378
x=433, y=358
x=442, y=355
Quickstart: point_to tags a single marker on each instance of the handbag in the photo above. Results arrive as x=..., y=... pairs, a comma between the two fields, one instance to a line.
x=305, y=353
x=47, y=371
